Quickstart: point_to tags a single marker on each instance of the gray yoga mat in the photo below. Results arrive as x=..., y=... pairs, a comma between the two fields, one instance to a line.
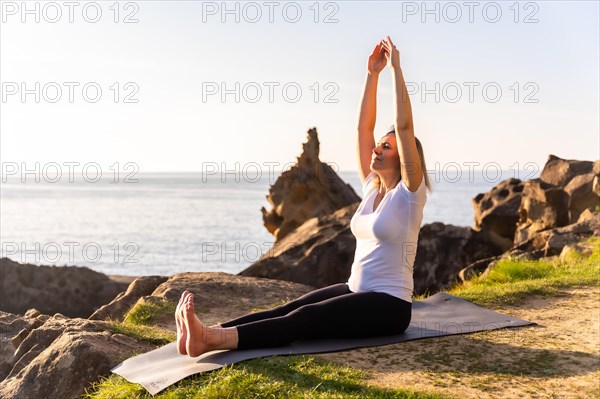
x=440, y=314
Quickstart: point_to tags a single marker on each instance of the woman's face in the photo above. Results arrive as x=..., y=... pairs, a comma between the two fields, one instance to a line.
x=385, y=154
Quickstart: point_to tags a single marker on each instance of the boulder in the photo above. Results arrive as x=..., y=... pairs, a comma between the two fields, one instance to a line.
x=563, y=191
x=309, y=189
x=58, y=357
x=571, y=234
x=543, y=206
x=13, y=330
x=551, y=242
x=581, y=195
x=577, y=179
x=559, y=172
x=71, y=290
x=318, y=253
x=497, y=211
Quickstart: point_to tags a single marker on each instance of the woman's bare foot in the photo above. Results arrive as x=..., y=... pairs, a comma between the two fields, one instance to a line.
x=181, y=328
x=197, y=334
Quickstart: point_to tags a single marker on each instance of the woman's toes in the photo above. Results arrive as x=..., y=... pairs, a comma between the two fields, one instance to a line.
x=181, y=328
x=181, y=298
x=196, y=343
x=184, y=295
x=185, y=308
x=179, y=307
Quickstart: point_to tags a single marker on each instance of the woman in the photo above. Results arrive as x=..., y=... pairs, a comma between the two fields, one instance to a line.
x=377, y=298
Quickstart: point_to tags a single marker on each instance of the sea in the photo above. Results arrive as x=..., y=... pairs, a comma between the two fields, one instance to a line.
x=168, y=223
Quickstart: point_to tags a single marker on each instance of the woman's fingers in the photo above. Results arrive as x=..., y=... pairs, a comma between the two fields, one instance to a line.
x=375, y=50
x=390, y=43
x=387, y=42
x=388, y=46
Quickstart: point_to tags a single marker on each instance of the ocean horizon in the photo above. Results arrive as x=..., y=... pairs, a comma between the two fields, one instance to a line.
x=172, y=222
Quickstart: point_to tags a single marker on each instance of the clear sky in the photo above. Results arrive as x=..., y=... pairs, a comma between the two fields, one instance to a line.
x=544, y=53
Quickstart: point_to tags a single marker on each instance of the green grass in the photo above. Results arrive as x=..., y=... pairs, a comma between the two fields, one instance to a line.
x=146, y=313
x=138, y=322
x=510, y=281
x=153, y=335
x=307, y=377
x=271, y=377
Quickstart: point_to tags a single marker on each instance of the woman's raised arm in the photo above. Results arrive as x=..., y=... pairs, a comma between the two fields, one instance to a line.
x=368, y=112
x=410, y=162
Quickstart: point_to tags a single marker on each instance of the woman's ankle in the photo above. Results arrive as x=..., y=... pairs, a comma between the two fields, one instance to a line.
x=222, y=338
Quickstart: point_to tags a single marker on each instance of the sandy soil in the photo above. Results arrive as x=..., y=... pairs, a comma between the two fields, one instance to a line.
x=559, y=358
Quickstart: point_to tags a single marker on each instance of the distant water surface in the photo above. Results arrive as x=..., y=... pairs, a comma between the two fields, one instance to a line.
x=169, y=223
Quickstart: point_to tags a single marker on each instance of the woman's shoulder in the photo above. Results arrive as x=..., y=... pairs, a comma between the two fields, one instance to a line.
x=369, y=183
x=418, y=196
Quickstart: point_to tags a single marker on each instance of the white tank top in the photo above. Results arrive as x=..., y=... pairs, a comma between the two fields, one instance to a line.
x=386, y=239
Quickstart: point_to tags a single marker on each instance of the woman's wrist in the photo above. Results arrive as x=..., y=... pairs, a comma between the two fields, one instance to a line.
x=373, y=74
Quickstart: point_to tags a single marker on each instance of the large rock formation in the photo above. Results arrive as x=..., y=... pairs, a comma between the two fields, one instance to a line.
x=557, y=198
x=514, y=212
x=543, y=207
x=539, y=217
x=309, y=189
x=71, y=290
x=559, y=172
x=57, y=357
x=44, y=356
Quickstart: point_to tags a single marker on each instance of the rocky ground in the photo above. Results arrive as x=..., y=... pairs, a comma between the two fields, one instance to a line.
x=54, y=356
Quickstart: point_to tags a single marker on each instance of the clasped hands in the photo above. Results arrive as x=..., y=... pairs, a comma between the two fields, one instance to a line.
x=384, y=53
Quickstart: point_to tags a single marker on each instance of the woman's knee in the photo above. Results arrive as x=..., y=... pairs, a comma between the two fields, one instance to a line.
x=313, y=310
x=402, y=323
x=393, y=315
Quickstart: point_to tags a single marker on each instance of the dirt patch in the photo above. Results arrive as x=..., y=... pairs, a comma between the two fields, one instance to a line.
x=559, y=358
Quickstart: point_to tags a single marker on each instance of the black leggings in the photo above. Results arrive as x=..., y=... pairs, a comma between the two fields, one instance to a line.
x=328, y=312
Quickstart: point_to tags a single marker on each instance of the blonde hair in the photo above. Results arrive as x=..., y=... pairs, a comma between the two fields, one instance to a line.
x=423, y=164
